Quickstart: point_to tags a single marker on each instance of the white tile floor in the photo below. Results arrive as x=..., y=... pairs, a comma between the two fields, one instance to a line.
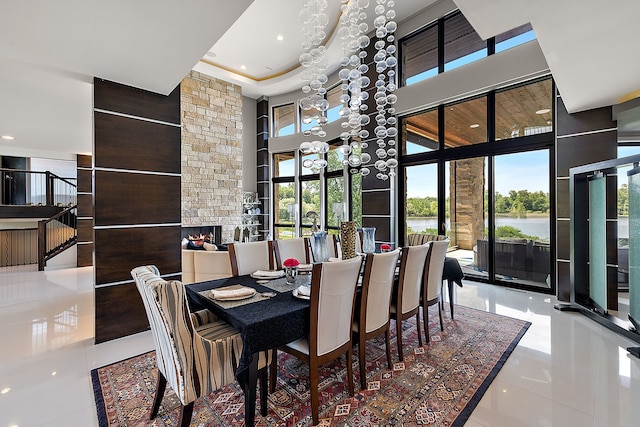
x=566, y=371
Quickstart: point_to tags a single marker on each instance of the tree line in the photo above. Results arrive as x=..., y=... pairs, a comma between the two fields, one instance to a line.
x=516, y=203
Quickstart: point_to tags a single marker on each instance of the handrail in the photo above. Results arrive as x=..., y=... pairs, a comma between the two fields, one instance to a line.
x=56, y=234
x=34, y=188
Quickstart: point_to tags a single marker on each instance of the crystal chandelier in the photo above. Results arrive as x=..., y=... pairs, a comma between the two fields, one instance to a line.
x=314, y=105
x=352, y=33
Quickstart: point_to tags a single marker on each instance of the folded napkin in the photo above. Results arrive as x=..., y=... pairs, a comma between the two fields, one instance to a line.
x=304, y=290
x=232, y=292
x=269, y=273
x=305, y=267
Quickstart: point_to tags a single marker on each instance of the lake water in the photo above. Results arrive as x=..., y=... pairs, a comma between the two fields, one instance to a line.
x=534, y=226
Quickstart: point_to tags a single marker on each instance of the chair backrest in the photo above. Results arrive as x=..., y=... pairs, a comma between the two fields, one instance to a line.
x=435, y=265
x=297, y=248
x=333, y=291
x=417, y=239
x=251, y=256
x=377, y=285
x=412, y=269
x=172, y=329
x=332, y=246
x=211, y=265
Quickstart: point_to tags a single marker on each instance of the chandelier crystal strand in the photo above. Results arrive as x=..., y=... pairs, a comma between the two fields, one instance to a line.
x=353, y=34
x=385, y=62
x=314, y=105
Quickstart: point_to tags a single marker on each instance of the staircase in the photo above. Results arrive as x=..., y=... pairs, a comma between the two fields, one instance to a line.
x=44, y=199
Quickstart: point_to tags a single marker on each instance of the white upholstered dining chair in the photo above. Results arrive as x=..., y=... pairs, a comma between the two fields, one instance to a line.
x=249, y=257
x=195, y=352
x=406, y=300
x=432, y=287
x=333, y=289
x=297, y=248
x=372, y=314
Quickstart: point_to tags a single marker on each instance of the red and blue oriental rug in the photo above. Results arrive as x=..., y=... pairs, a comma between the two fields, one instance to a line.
x=438, y=384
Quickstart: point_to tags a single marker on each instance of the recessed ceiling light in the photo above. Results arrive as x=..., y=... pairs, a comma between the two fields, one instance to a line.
x=243, y=67
x=543, y=111
x=280, y=38
x=8, y=137
x=53, y=374
x=475, y=125
x=5, y=390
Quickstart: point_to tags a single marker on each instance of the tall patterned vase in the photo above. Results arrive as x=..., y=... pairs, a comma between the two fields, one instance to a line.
x=348, y=239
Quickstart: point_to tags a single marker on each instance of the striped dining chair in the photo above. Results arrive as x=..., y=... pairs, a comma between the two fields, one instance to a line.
x=196, y=353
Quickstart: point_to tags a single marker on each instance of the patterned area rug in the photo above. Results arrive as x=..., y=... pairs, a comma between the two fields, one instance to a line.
x=438, y=384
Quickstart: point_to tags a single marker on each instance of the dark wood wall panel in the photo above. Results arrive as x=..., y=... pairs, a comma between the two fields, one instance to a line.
x=376, y=203
x=117, y=306
x=583, y=149
x=148, y=145
x=85, y=205
x=84, y=180
x=137, y=166
x=85, y=254
x=585, y=121
x=84, y=161
x=84, y=171
x=126, y=248
x=382, y=225
x=134, y=198
x=584, y=137
x=123, y=99
x=85, y=230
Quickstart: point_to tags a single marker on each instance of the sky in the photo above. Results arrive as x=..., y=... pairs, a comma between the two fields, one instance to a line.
x=521, y=171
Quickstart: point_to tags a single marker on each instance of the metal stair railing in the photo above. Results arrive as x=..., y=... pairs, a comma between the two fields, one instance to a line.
x=57, y=234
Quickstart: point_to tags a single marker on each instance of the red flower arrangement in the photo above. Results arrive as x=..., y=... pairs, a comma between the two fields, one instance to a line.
x=291, y=262
x=385, y=247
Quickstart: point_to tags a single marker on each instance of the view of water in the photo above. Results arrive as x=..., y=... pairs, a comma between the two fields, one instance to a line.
x=533, y=226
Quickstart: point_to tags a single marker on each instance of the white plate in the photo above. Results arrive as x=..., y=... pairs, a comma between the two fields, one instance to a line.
x=257, y=276
x=234, y=299
x=297, y=295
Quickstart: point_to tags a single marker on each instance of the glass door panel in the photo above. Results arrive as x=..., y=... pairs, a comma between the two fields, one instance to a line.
x=421, y=200
x=522, y=252
x=466, y=214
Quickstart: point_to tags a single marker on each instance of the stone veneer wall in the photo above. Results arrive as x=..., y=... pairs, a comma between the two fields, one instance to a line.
x=211, y=112
x=467, y=201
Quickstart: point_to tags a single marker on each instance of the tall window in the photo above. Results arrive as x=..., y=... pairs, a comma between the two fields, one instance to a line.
x=284, y=196
x=524, y=110
x=492, y=197
x=284, y=120
x=449, y=43
x=304, y=198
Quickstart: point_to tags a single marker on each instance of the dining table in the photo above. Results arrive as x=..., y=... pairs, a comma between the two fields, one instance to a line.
x=271, y=318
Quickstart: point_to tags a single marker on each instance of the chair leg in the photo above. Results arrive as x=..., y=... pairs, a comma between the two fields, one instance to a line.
x=313, y=380
x=361, y=353
x=273, y=371
x=387, y=336
x=425, y=315
x=262, y=377
x=418, y=327
x=399, y=337
x=161, y=385
x=440, y=314
x=350, y=370
x=185, y=415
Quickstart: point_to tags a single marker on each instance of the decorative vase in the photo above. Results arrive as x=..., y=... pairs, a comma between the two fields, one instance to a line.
x=290, y=273
x=368, y=240
x=348, y=239
x=320, y=250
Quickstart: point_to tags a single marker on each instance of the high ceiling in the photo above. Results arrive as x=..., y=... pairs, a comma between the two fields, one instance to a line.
x=50, y=51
